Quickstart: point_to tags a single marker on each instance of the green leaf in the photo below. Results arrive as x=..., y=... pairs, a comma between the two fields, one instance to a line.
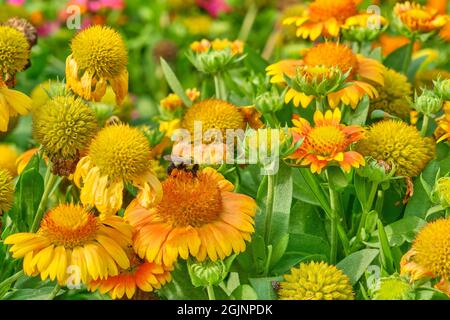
x=337, y=177
x=301, y=190
x=180, y=287
x=174, y=84
x=308, y=244
x=403, y=230
x=362, y=190
x=245, y=292
x=279, y=249
x=396, y=58
x=359, y=115
x=281, y=204
x=356, y=264
x=386, y=255
x=264, y=287
x=305, y=218
x=415, y=66
x=29, y=190
x=292, y=259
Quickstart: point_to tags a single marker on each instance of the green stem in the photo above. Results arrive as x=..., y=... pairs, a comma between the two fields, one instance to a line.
x=269, y=208
x=408, y=57
x=248, y=21
x=366, y=209
x=271, y=119
x=334, y=221
x=54, y=293
x=11, y=280
x=50, y=180
x=425, y=122
x=211, y=294
x=219, y=86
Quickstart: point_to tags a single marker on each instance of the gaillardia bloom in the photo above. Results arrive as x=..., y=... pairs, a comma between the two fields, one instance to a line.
x=12, y=103
x=99, y=57
x=327, y=143
x=65, y=125
x=14, y=52
x=213, y=114
x=398, y=144
x=328, y=55
x=119, y=154
x=393, y=95
x=142, y=275
x=323, y=17
x=70, y=235
x=417, y=18
x=429, y=255
x=443, y=130
x=8, y=159
x=6, y=190
x=198, y=216
x=316, y=281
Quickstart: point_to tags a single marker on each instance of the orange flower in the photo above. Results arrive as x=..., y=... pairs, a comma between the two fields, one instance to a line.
x=331, y=55
x=198, y=216
x=323, y=17
x=438, y=5
x=419, y=18
x=390, y=43
x=445, y=32
x=141, y=275
x=327, y=142
x=443, y=130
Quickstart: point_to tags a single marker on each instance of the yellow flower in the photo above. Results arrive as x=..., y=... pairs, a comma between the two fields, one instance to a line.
x=429, y=255
x=326, y=143
x=70, y=235
x=8, y=159
x=40, y=94
x=331, y=55
x=6, y=190
x=169, y=127
x=173, y=101
x=398, y=144
x=419, y=18
x=14, y=52
x=12, y=103
x=323, y=17
x=141, y=276
x=393, y=95
x=99, y=57
x=213, y=114
x=198, y=216
x=316, y=281
x=236, y=46
x=23, y=160
x=65, y=125
x=119, y=154
x=443, y=129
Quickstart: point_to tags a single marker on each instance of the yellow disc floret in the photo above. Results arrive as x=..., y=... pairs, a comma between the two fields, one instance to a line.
x=316, y=281
x=64, y=126
x=14, y=50
x=6, y=190
x=398, y=144
x=213, y=114
x=121, y=152
x=100, y=50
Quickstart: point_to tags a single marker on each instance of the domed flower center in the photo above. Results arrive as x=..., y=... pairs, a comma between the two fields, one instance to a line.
x=100, y=50
x=432, y=247
x=14, y=50
x=418, y=14
x=213, y=114
x=120, y=152
x=190, y=200
x=322, y=10
x=332, y=54
x=69, y=226
x=326, y=140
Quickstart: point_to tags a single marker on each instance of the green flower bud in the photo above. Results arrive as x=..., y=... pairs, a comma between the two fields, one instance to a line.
x=441, y=192
x=442, y=88
x=207, y=272
x=376, y=171
x=268, y=102
x=394, y=288
x=428, y=103
x=214, y=61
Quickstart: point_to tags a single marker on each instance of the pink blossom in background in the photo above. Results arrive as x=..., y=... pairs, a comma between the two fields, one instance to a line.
x=214, y=7
x=47, y=28
x=16, y=2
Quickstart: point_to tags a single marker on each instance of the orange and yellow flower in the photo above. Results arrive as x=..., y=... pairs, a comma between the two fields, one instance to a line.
x=142, y=275
x=204, y=45
x=12, y=104
x=323, y=17
x=327, y=143
x=417, y=18
x=330, y=55
x=119, y=154
x=199, y=215
x=443, y=130
x=391, y=43
x=71, y=235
